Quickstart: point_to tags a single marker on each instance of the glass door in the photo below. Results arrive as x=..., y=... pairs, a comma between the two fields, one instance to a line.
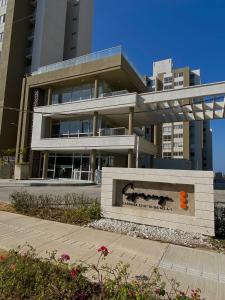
x=85, y=168
x=63, y=166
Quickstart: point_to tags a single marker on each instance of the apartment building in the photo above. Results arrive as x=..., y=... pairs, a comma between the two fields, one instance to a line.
x=96, y=111
x=83, y=118
x=181, y=140
x=35, y=33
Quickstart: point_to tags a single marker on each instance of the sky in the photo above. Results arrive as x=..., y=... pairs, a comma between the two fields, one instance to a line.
x=191, y=32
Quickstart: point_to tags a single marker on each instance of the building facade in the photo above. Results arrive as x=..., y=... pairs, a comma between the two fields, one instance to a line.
x=35, y=33
x=181, y=140
x=83, y=118
x=96, y=111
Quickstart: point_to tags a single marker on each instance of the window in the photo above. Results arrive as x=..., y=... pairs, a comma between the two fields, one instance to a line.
x=177, y=83
x=73, y=94
x=167, y=146
x=179, y=74
x=168, y=79
x=178, y=145
x=71, y=128
x=2, y=19
x=167, y=155
x=178, y=136
x=167, y=129
x=178, y=154
x=3, y=3
x=1, y=36
x=168, y=87
x=180, y=126
x=167, y=138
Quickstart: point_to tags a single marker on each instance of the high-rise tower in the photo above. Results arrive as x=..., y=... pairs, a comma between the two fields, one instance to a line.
x=34, y=33
x=181, y=140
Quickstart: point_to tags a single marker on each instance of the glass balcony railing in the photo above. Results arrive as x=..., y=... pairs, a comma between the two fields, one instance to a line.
x=85, y=59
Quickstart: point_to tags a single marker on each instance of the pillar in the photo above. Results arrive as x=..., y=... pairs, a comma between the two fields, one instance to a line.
x=130, y=159
x=19, y=132
x=131, y=121
x=95, y=123
x=93, y=165
x=155, y=135
x=96, y=88
x=49, y=101
x=45, y=166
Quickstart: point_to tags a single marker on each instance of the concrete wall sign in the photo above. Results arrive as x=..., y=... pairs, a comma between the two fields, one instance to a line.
x=166, y=198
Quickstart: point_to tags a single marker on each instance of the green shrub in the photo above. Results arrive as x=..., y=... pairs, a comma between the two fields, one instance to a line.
x=23, y=275
x=69, y=208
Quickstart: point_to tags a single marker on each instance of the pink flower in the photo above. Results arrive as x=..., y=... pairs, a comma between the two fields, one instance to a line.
x=104, y=250
x=74, y=272
x=65, y=257
x=2, y=258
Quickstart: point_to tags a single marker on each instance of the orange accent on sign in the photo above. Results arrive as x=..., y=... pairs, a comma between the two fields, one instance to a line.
x=183, y=200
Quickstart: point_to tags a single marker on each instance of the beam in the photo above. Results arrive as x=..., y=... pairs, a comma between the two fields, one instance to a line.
x=197, y=91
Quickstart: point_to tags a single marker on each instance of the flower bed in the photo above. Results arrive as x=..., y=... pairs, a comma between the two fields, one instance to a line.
x=23, y=275
x=69, y=208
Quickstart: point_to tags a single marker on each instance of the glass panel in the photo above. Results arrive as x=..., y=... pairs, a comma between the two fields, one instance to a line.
x=85, y=163
x=55, y=99
x=66, y=96
x=64, y=128
x=76, y=163
x=75, y=127
x=50, y=174
x=51, y=163
x=63, y=166
x=55, y=129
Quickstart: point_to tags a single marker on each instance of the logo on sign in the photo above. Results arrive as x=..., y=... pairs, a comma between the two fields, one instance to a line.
x=133, y=197
x=183, y=200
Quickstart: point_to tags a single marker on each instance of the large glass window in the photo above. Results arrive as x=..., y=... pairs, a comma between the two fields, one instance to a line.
x=73, y=94
x=71, y=128
x=75, y=165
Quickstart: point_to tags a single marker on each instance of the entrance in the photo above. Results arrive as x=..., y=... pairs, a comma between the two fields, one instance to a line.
x=75, y=166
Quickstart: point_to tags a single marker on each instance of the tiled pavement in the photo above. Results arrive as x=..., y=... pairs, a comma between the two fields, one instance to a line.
x=191, y=267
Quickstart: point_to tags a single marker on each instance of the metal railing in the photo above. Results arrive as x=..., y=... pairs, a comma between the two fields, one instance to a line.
x=88, y=58
x=112, y=131
x=116, y=93
x=101, y=132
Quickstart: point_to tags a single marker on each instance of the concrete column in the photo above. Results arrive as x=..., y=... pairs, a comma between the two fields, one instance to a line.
x=96, y=89
x=131, y=121
x=49, y=102
x=45, y=166
x=31, y=164
x=93, y=165
x=19, y=132
x=95, y=123
x=130, y=159
x=155, y=135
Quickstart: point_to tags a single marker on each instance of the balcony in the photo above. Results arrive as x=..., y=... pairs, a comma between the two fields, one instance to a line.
x=88, y=58
x=119, y=144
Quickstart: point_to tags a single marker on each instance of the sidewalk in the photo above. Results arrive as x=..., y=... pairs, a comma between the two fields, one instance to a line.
x=43, y=182
x=191, y=267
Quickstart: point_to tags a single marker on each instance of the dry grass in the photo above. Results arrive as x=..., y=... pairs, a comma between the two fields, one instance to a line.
x=7, y=207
